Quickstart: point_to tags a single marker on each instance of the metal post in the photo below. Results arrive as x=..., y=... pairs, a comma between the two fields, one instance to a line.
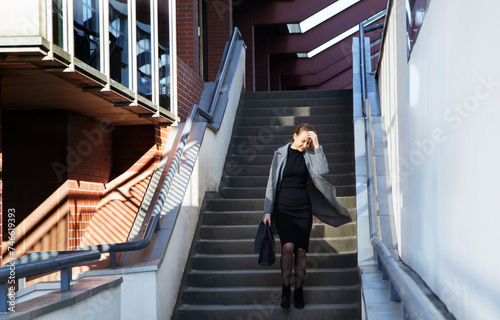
x=66, y=279
x=394, y=293
x=112, y=259
x=4, y=290
x=385, y=275
x=362, y=61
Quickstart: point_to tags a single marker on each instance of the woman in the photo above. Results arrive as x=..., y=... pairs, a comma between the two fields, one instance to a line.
x=295, y=191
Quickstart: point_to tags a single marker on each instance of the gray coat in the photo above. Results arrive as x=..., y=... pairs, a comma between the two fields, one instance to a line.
x=325, y=205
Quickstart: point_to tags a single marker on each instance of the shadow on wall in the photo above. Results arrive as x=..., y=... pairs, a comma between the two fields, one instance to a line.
x=53, y=213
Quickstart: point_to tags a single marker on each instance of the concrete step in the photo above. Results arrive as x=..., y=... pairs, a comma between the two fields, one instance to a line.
x=239, y=232
x=245, y=149
x=256, y=111
x=250, y=261
x=254, y=193
x=237, y=206
x=270, y=278
x=296, y=94
x=261, y=181
x=254, y=158
x=217, y=218
x=247, y=296
x=273, y=126
x=263, y=170
x=324, y=245
x=296, y=102
x=268, y=308
x=294, y=120
x=282, y=139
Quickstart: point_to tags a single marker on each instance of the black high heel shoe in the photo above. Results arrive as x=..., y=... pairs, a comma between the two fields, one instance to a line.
x=285, y=297
x=298, y=295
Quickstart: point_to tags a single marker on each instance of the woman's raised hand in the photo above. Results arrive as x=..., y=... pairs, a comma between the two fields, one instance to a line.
x=314, y=138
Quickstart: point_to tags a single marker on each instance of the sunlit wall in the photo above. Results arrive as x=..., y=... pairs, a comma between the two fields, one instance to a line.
x=440, y=107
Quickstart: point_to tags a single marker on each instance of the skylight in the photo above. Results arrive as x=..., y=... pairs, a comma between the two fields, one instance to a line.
x=341, y=36
x=321, y=16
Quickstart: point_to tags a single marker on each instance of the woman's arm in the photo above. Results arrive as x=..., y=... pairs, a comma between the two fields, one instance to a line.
x=318, y=158
x=270, y=191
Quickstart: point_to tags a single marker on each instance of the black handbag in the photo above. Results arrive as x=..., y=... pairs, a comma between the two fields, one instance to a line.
x=267, y=250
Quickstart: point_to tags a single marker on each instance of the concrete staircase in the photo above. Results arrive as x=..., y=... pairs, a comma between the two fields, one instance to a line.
x=223, y=280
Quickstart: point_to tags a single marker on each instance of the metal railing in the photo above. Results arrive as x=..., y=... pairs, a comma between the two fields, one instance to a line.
x=62, y=262
x=37, y=263
x=221, y=75
x=154, y=222
x=416, y=305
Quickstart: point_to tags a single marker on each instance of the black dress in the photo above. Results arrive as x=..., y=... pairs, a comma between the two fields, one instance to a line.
x=292, y=210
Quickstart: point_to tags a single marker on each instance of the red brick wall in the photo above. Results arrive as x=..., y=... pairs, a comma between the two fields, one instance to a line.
x=161, y=136
x=187, y=33
x=189, y=89
x=89, y=162
x=134, y=149
x=220, y=25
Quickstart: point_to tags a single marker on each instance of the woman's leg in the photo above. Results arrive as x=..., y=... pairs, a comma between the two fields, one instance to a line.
x=300, y=272
x=287, y=262
x=286, y=272
x=300, y=267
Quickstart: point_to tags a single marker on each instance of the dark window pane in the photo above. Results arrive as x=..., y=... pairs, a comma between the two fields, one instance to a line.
x=144, y=83
x=57, y=23
x=415, y=13
x=87, y=37
x=118, y=41
x=164, y=54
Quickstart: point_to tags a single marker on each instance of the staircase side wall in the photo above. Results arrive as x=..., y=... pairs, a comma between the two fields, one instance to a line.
x=441, y=111
x=206, y=177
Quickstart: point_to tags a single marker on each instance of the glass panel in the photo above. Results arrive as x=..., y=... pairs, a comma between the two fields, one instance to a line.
x=415, y=12
x=57, y=23
x=87, y=37
x=163, y=54
x=118, y=41
x=144, y=83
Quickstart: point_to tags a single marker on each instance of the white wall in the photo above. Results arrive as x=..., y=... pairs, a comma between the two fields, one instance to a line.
x=441, y=111
x=102, y=306
x=206, y=176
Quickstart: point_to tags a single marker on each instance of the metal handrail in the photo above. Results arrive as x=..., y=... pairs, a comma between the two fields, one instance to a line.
x=154, y=221
x=13, y=270
x=37, y=263
x=221, y=75
x=415, y=303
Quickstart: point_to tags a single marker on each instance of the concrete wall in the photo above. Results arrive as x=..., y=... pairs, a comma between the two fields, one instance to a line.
x=206, y=176
x=102, y=306
x=441, y=114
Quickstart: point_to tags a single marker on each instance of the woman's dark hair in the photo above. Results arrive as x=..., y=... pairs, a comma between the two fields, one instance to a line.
x=304, y=127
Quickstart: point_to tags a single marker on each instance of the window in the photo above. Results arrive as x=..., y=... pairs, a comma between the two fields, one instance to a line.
x=57, y=23
x=87, y=33
x=415, y=12
x=144, y=76
x=118, y=41
x=163, y=54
